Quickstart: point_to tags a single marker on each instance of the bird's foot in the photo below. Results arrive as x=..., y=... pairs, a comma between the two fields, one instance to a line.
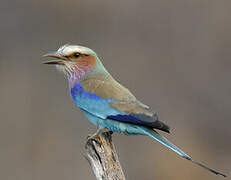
x=92, y=136
x=97, y=133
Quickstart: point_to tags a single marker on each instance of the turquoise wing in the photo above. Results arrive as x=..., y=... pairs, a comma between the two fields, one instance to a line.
x=107, y=99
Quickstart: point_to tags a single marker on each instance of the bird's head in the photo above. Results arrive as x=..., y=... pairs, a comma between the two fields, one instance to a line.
x=75, y=61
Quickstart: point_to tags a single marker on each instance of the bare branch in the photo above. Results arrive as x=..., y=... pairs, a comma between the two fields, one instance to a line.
x=100, y=153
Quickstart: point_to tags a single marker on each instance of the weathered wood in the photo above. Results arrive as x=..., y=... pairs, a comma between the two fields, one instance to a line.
x=100, y=153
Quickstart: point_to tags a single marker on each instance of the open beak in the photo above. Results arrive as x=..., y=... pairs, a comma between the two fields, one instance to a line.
x=59, y=58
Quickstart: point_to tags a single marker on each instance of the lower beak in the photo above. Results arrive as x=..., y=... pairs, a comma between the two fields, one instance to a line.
x=56, y=55
x=54, y=62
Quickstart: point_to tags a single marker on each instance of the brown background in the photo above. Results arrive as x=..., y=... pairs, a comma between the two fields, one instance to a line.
x=174, y=55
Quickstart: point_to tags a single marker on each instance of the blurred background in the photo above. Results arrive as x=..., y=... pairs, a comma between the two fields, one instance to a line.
x=175, y=56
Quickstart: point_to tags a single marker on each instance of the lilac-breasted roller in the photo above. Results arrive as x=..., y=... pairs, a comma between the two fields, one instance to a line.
x=105, y=102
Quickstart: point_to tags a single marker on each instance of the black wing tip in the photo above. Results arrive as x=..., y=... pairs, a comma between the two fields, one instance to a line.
x=167, y=130
x=161, y=126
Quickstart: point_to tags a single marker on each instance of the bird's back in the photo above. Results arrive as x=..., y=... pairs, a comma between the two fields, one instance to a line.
x=106, y=87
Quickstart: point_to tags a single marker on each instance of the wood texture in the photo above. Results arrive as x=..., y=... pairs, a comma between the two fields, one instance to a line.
x=100, y=153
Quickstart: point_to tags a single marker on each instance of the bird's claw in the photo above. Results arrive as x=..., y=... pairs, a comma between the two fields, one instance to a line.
x=92, y=136
x=97, y=133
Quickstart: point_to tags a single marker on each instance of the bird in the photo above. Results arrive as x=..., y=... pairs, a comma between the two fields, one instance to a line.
x=105, y=102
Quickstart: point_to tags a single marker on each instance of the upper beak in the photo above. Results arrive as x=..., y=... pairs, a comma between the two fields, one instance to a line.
x=54, y=54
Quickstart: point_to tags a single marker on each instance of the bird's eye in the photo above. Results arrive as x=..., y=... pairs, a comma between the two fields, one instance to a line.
x=76, y=55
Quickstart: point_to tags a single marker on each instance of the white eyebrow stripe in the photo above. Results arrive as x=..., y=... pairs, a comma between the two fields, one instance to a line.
x=69, y=49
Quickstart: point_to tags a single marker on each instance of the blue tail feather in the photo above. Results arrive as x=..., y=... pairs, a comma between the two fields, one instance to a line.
x=155, y=135
x=165, y=142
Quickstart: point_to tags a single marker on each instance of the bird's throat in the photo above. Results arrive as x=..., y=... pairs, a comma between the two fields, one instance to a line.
x=81, y=69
